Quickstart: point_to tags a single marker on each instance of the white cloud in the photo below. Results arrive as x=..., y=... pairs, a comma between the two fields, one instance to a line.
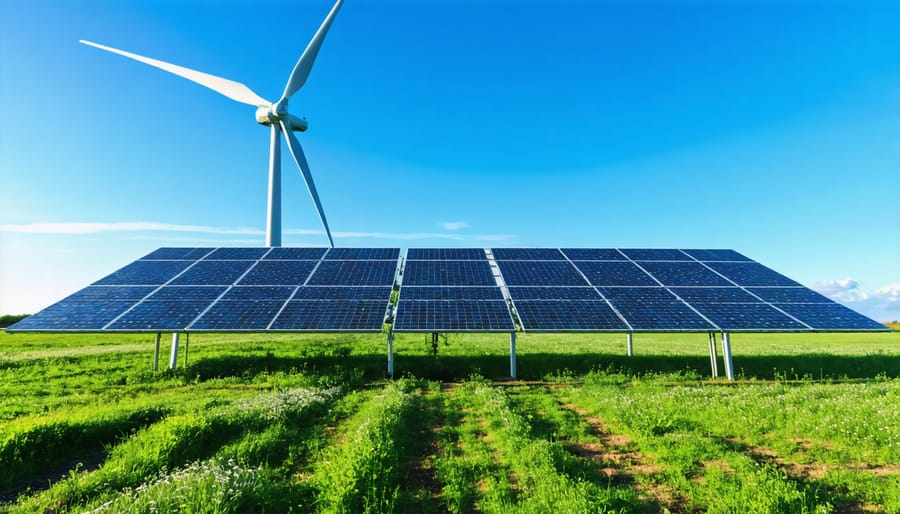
x=881, y=304
x=843, y=290
x=454, y=225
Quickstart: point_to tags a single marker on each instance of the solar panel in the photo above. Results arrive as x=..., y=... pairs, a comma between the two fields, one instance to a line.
x=553, y=293
x=716, y=255
x=593, y=254
x=160, y=315
x=527, y=254
x=448, y=273
x=73, y=316
x=239, y=293
x=278, y=273
x=382, y=293
x=100, y=293
x=829, y=316
x=453, y=316
x=145, y=273
x=751, y=274
x=655, y=254
x=228, y=254
x=178, y=253
x=540, y=273
x=654, y=309
x=296, y=254
x=331, y=316
x=714, y=295
x=446, y=254
x=788, y=295
x=228, y=315
x=750, y=317
x=213, y=273
x=354, y=273
x=450, y=293
x=615, y=274
x=683, y=274
x=568, y=316
x=188, y=293
x=363, y=254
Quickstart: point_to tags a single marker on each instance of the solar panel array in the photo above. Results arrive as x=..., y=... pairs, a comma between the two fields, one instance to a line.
x=233, y=289
x=445, y=290
x=450, y=290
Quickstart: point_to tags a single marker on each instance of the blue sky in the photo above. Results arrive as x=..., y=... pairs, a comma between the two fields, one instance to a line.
x=768, y=127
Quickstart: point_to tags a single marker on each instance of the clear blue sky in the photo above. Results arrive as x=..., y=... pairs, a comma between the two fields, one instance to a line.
x=770, y=127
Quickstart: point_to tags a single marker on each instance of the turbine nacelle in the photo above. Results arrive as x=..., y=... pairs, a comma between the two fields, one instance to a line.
x=268, y=116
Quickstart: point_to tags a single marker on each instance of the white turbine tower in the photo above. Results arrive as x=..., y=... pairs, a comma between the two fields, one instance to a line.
x=275, y=115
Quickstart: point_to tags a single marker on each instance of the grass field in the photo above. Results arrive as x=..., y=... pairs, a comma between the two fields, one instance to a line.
x=282, y=423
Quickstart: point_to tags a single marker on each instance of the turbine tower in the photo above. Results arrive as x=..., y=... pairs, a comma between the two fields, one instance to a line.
x=275, y=115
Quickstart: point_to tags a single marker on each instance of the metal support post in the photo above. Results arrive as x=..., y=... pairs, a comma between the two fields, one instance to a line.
x=187, y=344
x=726, y=354
x=390, y=354
x=630, y=344
x=156, y=355
x=713, y=358
x=173, y=355
x=512, y=355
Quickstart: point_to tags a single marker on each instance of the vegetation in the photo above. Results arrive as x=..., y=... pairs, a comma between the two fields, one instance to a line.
x=272, y=423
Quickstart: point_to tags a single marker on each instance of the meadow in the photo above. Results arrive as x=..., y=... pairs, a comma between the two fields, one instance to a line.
x=310, y=423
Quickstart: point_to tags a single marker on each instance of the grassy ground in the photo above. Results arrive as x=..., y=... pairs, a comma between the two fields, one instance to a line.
x=281, y=423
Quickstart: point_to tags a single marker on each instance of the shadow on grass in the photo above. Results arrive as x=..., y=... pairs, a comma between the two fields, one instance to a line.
x=350, y=368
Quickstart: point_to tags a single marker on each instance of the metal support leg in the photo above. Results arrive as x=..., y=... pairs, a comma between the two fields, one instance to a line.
x=512, y=354
x=630, y=344
x=173, y=355
x=713, y=358
x=726, y=354
x=187, y=344
x=156, y=355
x=390, y=369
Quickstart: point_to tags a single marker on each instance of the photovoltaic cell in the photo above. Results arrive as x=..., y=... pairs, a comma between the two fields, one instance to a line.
x=593, y=254
x=160, y=315
x=453, y=316
x=296, y=254
x=540, y=273
x=788, y=295
x=615, y=274
x=655, y=254
x=363, y=254
x=188, y=293
x=278, y=273
x=553, y=293
x=637, y=294
x=747, y=317
x=382, y=293
x=354, y=273
x=751, y=274
x=714, y=295
x=450, y=293
x=145, y=273
x=716, y=255
x=239, y=315
x=568, y=316
x=527, y=254
x=101, y=293
x=446, y=254
x=332, y=315
x=74, y=316
x=829, y=316
x=178, y=253
x=213, y=273
x=244, y=254
x=660, y=316
x=448, y=273
x=683, y=274
x=256, y=293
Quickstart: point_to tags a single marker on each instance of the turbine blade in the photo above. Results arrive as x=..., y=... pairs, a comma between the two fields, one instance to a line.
x=234, y=90
x=304, y=64
x=300, y=159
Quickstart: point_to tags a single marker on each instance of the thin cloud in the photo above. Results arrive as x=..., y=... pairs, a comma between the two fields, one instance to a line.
x=882, y=304
x=454, y=225
x=843, y=290
x=78, y=228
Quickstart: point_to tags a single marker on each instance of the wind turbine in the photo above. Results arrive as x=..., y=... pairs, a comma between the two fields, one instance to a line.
x=274, y=115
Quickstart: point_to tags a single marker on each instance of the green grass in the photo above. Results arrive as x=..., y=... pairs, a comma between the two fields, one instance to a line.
x=309, y=423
